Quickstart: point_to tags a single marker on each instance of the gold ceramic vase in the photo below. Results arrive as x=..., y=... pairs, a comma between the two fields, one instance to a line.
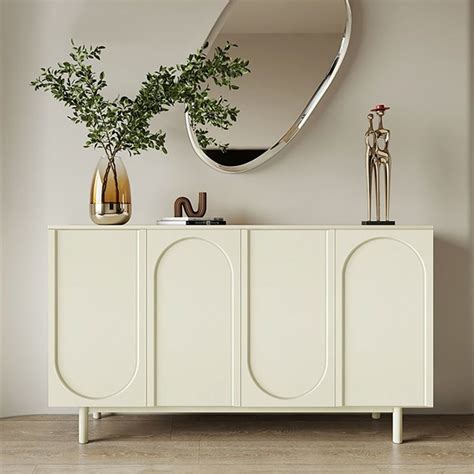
x=110, y=202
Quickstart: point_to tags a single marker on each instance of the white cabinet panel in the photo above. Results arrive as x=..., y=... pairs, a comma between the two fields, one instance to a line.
x=288, y=320
x=193, y=305
x=384, y=304
x=97, y=321
x=242, y=318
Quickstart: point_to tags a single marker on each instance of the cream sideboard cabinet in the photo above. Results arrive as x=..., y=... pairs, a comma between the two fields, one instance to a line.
x=311, y=319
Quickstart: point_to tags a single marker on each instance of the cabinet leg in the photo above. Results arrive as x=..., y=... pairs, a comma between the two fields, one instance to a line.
x=375, y=416
x=97, y=415
x=397, y=426
x=83, y=425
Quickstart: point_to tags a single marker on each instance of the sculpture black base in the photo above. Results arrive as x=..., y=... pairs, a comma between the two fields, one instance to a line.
x=378, y=222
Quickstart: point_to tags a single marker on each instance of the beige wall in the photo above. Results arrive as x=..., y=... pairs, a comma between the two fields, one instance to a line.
x=1, y=215
x=411, y=54
x=471, y=81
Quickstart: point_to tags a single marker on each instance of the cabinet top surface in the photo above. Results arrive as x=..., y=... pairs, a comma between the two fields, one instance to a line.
x=242, y=227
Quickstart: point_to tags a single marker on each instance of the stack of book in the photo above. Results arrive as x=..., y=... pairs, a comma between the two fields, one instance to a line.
x=190, y=221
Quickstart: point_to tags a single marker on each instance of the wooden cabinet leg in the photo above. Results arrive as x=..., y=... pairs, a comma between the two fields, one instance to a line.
x=83, y=425
x=97, y=415
x=375, y=416
x=397, y=425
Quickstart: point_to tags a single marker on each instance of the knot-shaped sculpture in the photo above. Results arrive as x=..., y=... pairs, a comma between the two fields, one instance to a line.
x=183, y=203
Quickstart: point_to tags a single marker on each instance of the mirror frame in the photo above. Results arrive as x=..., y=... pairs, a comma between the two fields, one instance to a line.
x=302, y=118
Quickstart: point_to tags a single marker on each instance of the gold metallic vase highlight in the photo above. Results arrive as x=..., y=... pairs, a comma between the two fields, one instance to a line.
x=110, y=200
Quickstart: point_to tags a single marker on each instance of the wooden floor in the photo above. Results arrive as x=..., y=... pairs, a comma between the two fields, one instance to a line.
x=236, y=443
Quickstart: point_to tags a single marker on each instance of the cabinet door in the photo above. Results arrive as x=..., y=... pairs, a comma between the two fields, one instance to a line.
x=97, y=318
x=384, y=306
x=288, y=318
x=193, y=305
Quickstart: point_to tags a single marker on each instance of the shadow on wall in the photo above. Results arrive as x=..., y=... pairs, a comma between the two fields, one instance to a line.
x=471, y=92
x=452, y=323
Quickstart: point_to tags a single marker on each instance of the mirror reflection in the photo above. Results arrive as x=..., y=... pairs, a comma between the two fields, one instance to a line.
x=293, y=48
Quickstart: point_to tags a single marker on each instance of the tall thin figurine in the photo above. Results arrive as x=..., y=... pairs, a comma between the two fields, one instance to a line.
x=377, y=156
x=370, y=168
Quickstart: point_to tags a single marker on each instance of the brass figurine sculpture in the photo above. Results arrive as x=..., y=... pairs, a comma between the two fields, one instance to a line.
x=184, y=203
x=377, y=161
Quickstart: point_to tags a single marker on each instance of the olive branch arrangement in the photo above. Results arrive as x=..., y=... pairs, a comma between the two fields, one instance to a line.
x=123, y=124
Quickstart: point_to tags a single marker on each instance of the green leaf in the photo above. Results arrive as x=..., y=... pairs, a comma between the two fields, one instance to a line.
x=123, y=124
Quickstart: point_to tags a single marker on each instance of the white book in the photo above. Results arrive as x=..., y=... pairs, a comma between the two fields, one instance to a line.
x=189, y=220
x=161, y=222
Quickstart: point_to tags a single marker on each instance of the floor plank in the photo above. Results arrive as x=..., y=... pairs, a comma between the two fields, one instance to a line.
x=438, y=469
x=199, y=468
x=236, y=443
x=15, y=469
x=104, y=451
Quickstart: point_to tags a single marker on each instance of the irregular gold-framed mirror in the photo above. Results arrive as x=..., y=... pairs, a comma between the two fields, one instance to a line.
x=295, y=49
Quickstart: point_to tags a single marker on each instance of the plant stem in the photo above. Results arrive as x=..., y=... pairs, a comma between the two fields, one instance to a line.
x=110, y=166
x=104, y=183
x=114, y=169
